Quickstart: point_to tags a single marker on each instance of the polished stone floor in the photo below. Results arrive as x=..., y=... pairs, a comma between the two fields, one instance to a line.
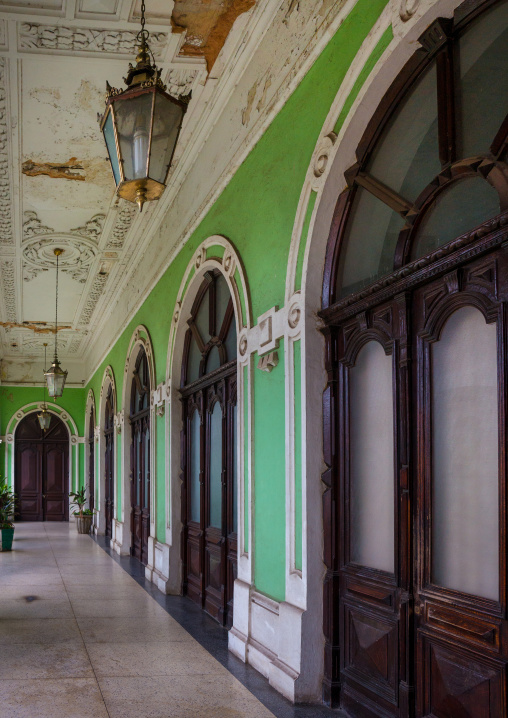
x=83, y=635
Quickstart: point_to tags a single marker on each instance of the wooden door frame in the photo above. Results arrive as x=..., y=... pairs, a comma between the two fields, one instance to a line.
x=336, y=311
x=42, y=443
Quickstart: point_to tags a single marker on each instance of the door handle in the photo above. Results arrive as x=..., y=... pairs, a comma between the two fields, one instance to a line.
x=417, y=608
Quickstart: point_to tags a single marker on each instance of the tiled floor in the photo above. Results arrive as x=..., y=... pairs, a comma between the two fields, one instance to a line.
x=83, y=634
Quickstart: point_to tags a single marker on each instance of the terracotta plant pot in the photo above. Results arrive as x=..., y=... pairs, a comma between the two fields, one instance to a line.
x=84, y=524
x=7, y=536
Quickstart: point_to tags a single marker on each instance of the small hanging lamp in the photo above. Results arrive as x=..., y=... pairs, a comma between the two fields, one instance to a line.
x=55, y=376
x=141, y=126
x=44, y=416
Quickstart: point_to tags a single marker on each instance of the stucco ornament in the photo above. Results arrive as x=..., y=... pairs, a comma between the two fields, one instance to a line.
x=242, y=345
x=407, y=9
x=229, y=263
x=321, y=158
x=199, y=257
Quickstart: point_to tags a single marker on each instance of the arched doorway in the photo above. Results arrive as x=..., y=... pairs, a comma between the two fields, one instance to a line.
x=140, y=458
x=91, y=458
x=109, y=462
x=415, y=300
x=42, y=470
x=208, y=389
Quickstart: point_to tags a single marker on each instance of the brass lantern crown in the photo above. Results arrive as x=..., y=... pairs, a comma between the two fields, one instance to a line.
x=141, y=125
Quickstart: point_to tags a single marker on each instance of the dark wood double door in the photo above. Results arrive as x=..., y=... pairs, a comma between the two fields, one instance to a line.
x=140, y=459
x=42, y=470
x=416, y=591
x=109, y=464
x=209, y=498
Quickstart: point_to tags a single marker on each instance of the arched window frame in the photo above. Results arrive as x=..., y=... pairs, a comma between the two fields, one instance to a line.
x=437, y=43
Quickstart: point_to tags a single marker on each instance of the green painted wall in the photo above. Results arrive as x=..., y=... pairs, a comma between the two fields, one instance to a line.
x=256, y=211
x=270, y=480
x=13, y=398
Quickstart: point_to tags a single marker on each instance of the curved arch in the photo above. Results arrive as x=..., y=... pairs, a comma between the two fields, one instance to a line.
x=214, y=253
x=68, y=422
x=108, y=379
x=122, y=542
x=90, y=421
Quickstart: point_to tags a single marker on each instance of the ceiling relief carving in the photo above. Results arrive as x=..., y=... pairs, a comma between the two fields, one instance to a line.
x=6, y=234
x=93, y=297
x=122, y=225
x=33, y=227
x=34, y=37
x=76, y=260
x=9, y=288
x=181, y=82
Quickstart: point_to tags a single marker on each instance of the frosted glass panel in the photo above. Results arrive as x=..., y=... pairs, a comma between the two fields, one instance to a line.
x=222, y=300
x=459, y=209
x=465, y=544
x=195, y=466
x=483, y=90
x=216, y=467
x=406, y=157
x=371, y=459
x=370, y=241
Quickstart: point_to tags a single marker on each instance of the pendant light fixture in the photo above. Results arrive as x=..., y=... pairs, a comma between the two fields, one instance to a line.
x=44, y=416
x=141, y=125
x=55, y=376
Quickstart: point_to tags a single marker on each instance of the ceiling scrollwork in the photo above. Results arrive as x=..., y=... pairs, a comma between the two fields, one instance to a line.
x=79, y=245
x=6, y=233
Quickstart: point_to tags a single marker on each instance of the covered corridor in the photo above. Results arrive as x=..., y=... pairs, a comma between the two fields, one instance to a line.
x=81, y=637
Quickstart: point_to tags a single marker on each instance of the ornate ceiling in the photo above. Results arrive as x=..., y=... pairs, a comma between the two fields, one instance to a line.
x=240, y=58
x=56, y=188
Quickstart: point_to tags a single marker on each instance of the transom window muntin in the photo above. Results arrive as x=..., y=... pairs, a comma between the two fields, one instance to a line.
x=404, y=169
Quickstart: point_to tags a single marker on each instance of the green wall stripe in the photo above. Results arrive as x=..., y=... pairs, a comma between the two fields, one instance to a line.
x=270, y=480
x=246, y=458
x=303, y=240
x=297, y=365
x=374, y=56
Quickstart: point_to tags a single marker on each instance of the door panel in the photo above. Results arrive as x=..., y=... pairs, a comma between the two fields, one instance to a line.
x=42, y=470
x=109, y=482
x=460, y=590
x=56, y=481
x=373, y=510
x=29, y=481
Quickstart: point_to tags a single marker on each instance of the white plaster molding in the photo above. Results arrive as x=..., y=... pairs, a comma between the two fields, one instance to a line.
x=6, y=223
x=69, y=424
x=108, y=380
x=139, y=338
x=119, y=421
x=36, y=37
x=230, y=266
x=268, y=362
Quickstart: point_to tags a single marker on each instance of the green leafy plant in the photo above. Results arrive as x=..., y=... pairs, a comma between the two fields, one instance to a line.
x=7, y=505
x=79, y=500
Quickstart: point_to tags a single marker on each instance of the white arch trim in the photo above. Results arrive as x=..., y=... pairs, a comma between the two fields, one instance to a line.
x=230, y=266
x=122, y=541
x=70, y=425
x=332, y=156
x=108, y=379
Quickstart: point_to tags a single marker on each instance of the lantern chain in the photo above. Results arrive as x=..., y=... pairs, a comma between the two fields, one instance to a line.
x=143, y=34
x=56, y=311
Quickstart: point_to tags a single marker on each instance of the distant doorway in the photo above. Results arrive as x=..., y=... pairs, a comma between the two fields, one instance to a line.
x=42, y=470
x=109, y=463
x=208, y=390
x=140, y=459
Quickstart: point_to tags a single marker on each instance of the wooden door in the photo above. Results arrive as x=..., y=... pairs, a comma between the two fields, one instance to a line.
x=91, y=460
x=140, y=459
x=373, y=577
x=460, y=524
x=42, y=470
x=208, y=451
x=109, y=466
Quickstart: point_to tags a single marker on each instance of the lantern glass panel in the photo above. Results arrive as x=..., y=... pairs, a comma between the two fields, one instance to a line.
x=55, y=379
x=133, y=120
x=109, y=137
x=44, y=419
x=166, y=125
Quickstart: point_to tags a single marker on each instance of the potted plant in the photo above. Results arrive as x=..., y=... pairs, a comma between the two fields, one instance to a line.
x=83, y=516
x=7, y=506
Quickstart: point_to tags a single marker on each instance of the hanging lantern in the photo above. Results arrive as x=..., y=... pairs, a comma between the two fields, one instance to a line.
x=55, y=376
x=141, y=126
x=44, y=417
